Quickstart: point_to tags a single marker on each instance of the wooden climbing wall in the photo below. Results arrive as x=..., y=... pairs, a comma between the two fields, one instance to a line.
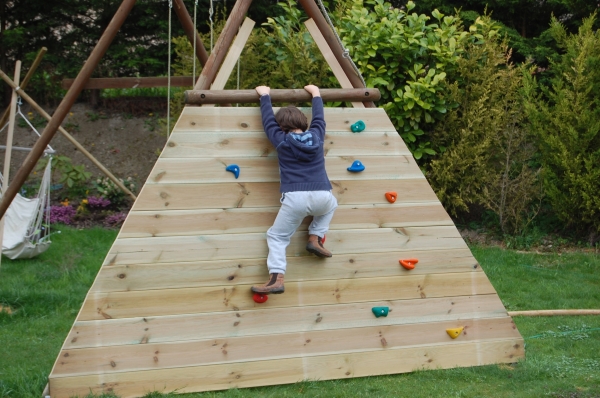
x=171, y=308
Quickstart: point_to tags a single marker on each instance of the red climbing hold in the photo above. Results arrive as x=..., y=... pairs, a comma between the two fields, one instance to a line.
x=409, y=263
x=391, y=196
x=259, y=298
x=324, y=237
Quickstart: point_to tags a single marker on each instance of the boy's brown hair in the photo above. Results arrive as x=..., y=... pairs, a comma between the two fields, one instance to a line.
x=291, y=118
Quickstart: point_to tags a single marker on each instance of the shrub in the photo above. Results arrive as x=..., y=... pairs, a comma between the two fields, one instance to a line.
x=115, y=220
x=98, y=202
x=565, y=117
x=62, y=214
x=486, y=150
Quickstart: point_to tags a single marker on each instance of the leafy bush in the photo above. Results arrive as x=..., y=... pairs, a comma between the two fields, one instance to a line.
x=73, y=177
x=565, y=117
x=487, y=151
x=62, y=214
x=407, y=58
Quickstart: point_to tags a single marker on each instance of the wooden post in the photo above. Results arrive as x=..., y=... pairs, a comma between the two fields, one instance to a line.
x=312, y=10
x=9, y=141
x=222, y=46
x=65, y=105
x=198, y=97
x=190, y=31
x=28, y=77
x=66, y=134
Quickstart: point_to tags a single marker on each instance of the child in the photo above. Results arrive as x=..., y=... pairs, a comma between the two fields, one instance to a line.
x=305, y=187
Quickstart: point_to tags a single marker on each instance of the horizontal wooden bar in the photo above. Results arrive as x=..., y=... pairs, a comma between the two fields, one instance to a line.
x=146, y=356
x=196, y=119
x=256, y=144
x=292, y=370
x=188, y=327
x=132, y=82
x=199, y=97
x=266, y=194
x=149, y=303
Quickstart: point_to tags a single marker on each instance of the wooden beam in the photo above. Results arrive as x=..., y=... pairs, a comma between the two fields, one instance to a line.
x=63, y=108
x=333, y=63
x=25, y=81
x=198, y=97
x=313, y=12
x=132, y=82
x=66, y=134
x=190, y=31
x=553, y=312
x=222, y=46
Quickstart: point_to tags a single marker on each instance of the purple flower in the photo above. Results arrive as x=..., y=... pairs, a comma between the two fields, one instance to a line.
x=115, y=220
x=62, y=214
x=98, y=202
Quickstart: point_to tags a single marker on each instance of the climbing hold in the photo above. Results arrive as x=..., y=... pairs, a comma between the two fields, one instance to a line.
x=259, y=298
x=324, y=237
x=380, y=311
x=356, y=167
x=234, y=168
x=409, y=263
x=391, y=196
x=454, y=333
x=358, y=126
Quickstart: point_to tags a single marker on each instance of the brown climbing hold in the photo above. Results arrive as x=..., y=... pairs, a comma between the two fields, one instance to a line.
x=409, y=263
x=391, y=196
x=455, y=332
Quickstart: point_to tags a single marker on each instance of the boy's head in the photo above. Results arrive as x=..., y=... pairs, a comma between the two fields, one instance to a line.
x=291, y=118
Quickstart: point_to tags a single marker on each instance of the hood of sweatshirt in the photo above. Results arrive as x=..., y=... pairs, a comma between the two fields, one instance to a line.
x=304, y=146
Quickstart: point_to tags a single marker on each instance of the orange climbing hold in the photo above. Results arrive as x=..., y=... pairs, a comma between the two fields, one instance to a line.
x=391, y=196
x=409, y=263
x=454, y=333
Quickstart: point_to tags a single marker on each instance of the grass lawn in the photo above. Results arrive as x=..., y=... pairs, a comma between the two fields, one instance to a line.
x=562, y=353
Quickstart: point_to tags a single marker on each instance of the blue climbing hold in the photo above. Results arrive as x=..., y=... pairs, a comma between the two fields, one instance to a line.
x=358, y=126
x=380, y=311
x=356, y=167
x=235, y=169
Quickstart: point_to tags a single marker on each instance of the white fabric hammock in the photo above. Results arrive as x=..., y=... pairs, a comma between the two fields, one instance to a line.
x=24, y=234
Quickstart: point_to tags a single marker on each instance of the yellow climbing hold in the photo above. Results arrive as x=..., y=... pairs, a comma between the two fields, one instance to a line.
x=454, y=333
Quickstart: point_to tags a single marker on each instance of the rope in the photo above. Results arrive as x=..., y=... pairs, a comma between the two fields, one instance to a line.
x=346, y=53
x=195, y=34
x=169, y=73
x=211, y=11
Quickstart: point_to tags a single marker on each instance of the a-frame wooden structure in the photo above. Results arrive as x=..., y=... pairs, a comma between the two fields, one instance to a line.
x=171, y=308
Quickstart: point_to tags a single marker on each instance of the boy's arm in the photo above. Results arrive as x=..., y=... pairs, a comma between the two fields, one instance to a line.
x=317, y=124
x=268, y=117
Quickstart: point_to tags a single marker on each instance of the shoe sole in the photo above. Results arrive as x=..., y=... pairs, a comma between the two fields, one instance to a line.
x=278, y=291
x=317, y=253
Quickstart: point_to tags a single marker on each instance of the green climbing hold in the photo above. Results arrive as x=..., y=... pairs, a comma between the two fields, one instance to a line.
x=358, y=126
x=380, y=311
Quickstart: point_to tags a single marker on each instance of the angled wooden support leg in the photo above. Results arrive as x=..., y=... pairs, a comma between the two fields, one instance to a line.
x=222, y=46
x=65, y=105
x=333, y=63
x=312, y=10
x=25, y=81
x=190, y=30
x=66, y=134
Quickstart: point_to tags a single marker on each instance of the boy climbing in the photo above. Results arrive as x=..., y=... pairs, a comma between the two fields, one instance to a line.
x=305, y=187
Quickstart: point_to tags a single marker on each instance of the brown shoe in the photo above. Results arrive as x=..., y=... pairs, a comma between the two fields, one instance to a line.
x=315, y=246
x=274, y=285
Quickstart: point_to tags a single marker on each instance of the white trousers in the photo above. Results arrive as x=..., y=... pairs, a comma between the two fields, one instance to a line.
x=294, y=207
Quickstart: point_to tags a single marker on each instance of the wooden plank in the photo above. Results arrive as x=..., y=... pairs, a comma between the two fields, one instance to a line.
x=253, y=245
x=292, y=370
x=128, y=277
x=287, y=95
x=132, y=82
x=333, y=63
x=149, y=303
x=266, y=169
x=199, y=119
x=127, y=358
x=187, y=327
x=243, y=220
x=155, y=197
x=233, y=55
x=255, y=144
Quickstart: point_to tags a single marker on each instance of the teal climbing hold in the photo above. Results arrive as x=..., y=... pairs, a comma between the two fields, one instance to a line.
x=234, y=168
x=356, y=167
x=380, y=311
x=358, y=126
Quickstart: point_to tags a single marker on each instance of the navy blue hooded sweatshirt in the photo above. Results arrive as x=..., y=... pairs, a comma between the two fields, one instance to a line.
x=301, y=156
